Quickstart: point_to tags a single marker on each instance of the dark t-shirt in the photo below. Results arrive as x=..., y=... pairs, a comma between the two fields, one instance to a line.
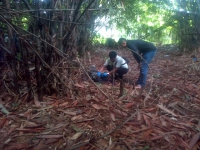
x=140, y=47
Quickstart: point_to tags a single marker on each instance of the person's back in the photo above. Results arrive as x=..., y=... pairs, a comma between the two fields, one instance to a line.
x=141, y=45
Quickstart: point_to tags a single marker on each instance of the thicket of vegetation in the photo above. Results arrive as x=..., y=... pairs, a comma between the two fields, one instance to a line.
x=46, y=36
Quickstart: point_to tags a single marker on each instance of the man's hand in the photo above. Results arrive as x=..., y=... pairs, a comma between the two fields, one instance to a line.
x=102, y=69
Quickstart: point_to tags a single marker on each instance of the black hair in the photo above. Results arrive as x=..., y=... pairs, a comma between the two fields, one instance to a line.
x=112, y=54
x=121, y=40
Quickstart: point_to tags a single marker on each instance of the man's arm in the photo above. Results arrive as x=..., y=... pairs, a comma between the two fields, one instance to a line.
x=137, y=57
x=135, y=52
x=104, y=66
x=113, y=71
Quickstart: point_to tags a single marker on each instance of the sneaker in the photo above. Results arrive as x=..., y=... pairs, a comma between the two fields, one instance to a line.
x=138, y=87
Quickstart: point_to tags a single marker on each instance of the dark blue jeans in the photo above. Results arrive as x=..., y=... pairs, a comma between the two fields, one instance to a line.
x=147, y=58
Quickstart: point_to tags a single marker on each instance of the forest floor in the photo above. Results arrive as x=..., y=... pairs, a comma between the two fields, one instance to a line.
x=165, y=116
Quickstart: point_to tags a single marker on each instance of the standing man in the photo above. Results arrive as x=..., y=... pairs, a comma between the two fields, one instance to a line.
x=143, y=52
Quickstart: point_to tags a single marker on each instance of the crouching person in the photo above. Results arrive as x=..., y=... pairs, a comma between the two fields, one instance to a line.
x=117, y=67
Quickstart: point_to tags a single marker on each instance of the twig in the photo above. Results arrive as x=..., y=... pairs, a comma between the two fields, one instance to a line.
x=116, y=127
x=140, y=130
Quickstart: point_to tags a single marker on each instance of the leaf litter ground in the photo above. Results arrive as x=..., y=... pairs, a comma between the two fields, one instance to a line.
x=163, y=116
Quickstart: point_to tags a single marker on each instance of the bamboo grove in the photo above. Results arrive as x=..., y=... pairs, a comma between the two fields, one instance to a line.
x=45, y=37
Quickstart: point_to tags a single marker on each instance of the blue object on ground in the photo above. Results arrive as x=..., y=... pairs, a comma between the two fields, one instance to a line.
x=102, y=75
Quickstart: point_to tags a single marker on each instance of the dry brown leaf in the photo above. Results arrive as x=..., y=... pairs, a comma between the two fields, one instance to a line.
x=194, y=140
x=166, y=110
x=63, y=104
x=76, y=136
x=146, y=134
x=118, y=112
x=128, y=145
x=130, y=104
x=49, y=141
x=49, y=136
x=163, y=122
x=78, y=85
x=138, y=116
x=3, y=122
x=26, y=113
x=112, y=116
x=68, y=112
x=21, y=127
x=37, y=103
x=75, y=102
x=76, y=118
x=30, y=124
x=30, y=130
x=111, y=147
x=146, y=120
x=17, y=146
x=96, y=106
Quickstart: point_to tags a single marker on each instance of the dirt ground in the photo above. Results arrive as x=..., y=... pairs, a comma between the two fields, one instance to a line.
x=165, y=116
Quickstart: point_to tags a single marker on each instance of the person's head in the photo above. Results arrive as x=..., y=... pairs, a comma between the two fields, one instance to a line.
x=113, y=55
x=122, y=42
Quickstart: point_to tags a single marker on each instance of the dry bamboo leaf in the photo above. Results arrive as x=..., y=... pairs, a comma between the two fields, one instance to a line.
x=116, y=111
x=17, y=146
x=163, y=122
x=49, y=136
x=88, y=97
x=68, y=112
x=21, y=127
x=128, y=145
x=76, y=136
x=39, y=145
x=110, y=141
x=30, y=124
x=146, y=134
x=195, y=147
x=129, y=104
x=172, y=104
x=3, y=122
x=75, y=102
x=49, y=141
x=7, y=141
x=76, y=117
x=146, y=120
x=112, y=116
x=138, y=116
x=78, y=85
x=96, y=106
x=194, y=140
x=63, y=104
x=37, y=103
x=111, y=147
x=30, y=130
x=166, y=110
